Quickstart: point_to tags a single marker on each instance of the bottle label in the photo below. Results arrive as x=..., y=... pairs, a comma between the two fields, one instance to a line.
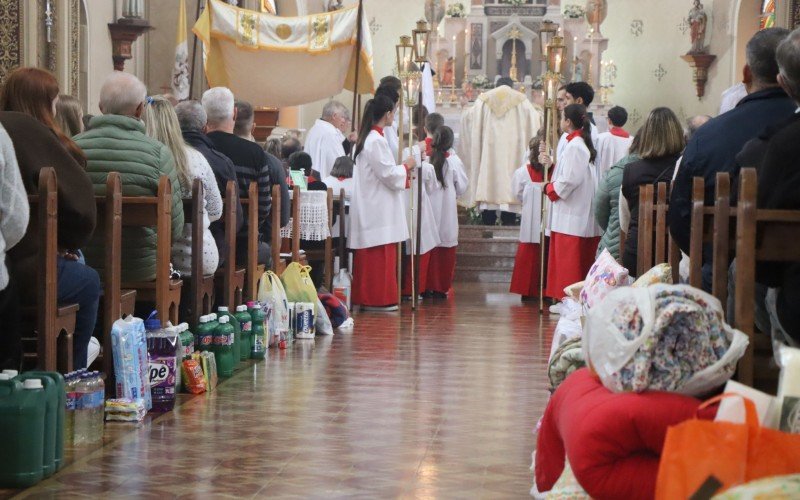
x=220, y=339
x=72, y=400
x=89, y=400
x=206, y=340
x=246, y=326
x=231, y=338
x=258, y=343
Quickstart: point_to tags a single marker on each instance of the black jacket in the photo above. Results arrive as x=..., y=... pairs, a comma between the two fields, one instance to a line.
x=278, y=176
x=714, y=147
x=224, y=171
x=636, y=174
x=779, y=188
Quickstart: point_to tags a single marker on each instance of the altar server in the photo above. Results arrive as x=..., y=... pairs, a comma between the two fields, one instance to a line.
x=376, y=210
x=612, y=146
x=574, y=232
x=527, y=187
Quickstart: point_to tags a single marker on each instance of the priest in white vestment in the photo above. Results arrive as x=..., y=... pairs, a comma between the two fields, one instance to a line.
x=494, y=136
x=324, y=142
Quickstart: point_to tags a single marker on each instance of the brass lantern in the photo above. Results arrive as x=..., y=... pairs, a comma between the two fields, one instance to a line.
x=421, y=35
x=411, y=87
x=555, y=55
x=404, y=54
x=547, y=31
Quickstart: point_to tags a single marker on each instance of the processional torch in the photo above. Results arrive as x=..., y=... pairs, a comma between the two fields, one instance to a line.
x=553, y=52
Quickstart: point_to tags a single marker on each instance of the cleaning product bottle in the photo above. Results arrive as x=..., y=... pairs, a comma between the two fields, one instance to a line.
x=342, y=286
x=162, y=348
x=246, y=327
x=259, y=348
x=187, y=340
x=204, y=334
x=237, y=334
x=53, y=424
x=223, y=347
x=22, y=420
x=60, y=384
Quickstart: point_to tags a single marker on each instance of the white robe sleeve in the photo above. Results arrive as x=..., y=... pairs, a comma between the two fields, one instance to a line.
x=624, y=213
x=384, y=167
x=460, y=180
x=518, y=183
x=572, y=168
x=331, y=150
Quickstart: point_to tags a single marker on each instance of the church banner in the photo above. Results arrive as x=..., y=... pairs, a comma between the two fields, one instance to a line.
x=283, y=61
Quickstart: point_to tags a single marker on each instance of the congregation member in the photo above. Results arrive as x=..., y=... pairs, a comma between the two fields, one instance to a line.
x=714, y=146
x=273, y=146
x=613, y=145
x=38, y=143
x=161, y=124
x=376, y=212
x=778, y=187
x=324, y=142
x=574, y=235
x=69, y=115
x=660, y=145
x=606, y=202
x=245, y=124
x=341, y=178
x=14, y=216
x=116, y=142
x=192, y=120
x=250, y=162
x=693, y=123
x=527, y=262
x=451, y=183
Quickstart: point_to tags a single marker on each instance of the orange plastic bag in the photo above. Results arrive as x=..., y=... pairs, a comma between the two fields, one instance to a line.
x=702, y=458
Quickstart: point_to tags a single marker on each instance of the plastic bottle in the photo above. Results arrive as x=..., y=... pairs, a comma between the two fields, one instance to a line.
x=22, y=420
x=223, y=347
x=95, y=430
x=246, y=327
x=83, y=409
x=258, y=350
x=237, y=334
x=187, y=340
x=204, y=336
x=342, y=286
x=70, y=388
x=162, y=347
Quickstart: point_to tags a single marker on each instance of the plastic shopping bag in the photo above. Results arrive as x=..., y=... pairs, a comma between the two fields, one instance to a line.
x=271, y=291
x=704, y=457
x=298, y=285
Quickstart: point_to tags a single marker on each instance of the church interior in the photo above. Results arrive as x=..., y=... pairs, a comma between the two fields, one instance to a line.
x=399, y=249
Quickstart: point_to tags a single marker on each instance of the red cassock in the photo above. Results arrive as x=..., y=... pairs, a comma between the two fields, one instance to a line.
x=525, y=279
x=569, y=261
x=424, y=264
x=375, y=276
x=442, y=269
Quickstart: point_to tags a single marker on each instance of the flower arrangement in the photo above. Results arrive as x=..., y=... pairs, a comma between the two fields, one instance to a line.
x=573, y=11
x=481, y=82
x=456, y=10
x=515, y=3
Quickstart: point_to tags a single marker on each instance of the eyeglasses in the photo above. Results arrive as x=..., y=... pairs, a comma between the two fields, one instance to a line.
x=149, y=100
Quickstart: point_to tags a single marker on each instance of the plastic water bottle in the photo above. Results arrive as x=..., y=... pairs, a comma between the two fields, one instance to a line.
x=83, y=409
x=342, y=286
x=98, y=399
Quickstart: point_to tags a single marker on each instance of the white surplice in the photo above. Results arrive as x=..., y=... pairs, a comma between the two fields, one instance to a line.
x=575, y=182
x=610, y=149
x=324, y=145
x=376, y=209
x=444, y=199
x=429, y=234
x=529, y=193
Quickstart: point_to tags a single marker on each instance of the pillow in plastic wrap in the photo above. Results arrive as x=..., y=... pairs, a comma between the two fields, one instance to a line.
x=605, y=276
x=661, y=273
x=567, y=359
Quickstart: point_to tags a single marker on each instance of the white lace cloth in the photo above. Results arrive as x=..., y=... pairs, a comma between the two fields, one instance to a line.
x=313, y=217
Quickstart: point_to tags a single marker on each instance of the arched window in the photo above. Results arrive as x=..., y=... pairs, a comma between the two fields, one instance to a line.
x=767, y=14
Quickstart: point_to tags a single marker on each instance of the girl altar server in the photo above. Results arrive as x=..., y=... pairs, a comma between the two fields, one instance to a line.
x=526, y=184
x=574, y=233
x=377, y=220
x=450, y=183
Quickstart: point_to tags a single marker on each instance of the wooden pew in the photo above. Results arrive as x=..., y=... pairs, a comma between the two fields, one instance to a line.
x=655, y=244
x=116, y=302
x=701, y=233
x=201, y=286
x=254, y=270
x=47, y=344
x=761, y=235
x=278, y=263
x=149, y=211
x=340, y=207
x=230, y=278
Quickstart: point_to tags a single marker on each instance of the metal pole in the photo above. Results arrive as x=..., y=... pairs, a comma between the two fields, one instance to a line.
x=400, y=161
x=356, y=107
x=420, y=120
x=551, y=138
x=194, y=49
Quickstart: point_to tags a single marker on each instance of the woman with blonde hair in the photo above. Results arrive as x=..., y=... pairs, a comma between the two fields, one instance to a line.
x=661, y=142
x=161, y=123
x=69, y=115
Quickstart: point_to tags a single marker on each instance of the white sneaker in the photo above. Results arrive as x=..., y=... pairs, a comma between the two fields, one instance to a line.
x=555, y=308
x=380, y=308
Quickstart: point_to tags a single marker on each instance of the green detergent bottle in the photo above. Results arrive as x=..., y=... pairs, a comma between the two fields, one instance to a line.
x=204, y=334
x=53, y=384
x=237, y=334
x=223, y=347
x=246, y=327
x=187, y=341
x=259, y=345
x=22, y=419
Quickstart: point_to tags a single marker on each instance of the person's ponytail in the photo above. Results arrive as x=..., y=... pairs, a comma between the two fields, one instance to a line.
x=576, y=113
x=374, y=111
x=442, y=142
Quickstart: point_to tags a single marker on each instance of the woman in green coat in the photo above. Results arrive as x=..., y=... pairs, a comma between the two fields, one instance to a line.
x=606, y=202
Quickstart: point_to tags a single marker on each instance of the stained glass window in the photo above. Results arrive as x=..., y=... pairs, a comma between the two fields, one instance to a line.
x=767, y=14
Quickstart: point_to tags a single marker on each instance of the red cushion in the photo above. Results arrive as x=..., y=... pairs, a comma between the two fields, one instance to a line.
x=613, y=440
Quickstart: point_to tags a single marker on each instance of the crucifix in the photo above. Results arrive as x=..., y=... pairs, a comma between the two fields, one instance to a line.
x=514, y=34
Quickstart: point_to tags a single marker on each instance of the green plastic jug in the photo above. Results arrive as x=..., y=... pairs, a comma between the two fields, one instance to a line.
x=237, y=334
x=259, y=345
x=22, y=419
x=246, y=327
x=204, y=334
x=223, y=347
x=187, y=341
x=54, y=418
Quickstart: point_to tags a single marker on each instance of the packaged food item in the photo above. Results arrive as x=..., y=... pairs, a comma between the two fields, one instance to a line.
x=209, y=364
x=194, y=381
x=125, y=410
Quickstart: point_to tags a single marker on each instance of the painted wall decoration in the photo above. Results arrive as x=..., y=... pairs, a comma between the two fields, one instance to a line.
x=10, y=37
x=476, y=46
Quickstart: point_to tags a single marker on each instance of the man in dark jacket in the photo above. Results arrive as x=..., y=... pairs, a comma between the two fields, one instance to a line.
x=714, y=147
x=192, y=118
x=250, y=162
x=778, y=188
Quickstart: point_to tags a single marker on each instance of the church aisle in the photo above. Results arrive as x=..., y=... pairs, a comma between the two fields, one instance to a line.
x=440, y=404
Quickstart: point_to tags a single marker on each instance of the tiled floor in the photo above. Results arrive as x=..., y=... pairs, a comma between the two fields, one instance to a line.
x=437, y=404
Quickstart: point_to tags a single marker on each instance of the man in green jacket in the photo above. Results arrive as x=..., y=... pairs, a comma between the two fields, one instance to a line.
x=116, y=142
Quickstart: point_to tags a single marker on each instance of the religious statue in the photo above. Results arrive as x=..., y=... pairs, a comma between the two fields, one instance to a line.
x=448, y=72
x=434, y=11
x=335, y=5
x=578, y=74
x=697, y=21
x=596, y=11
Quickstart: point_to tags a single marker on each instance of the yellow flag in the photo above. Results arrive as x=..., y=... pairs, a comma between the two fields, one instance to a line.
x=268, y=6
x=180, y=71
